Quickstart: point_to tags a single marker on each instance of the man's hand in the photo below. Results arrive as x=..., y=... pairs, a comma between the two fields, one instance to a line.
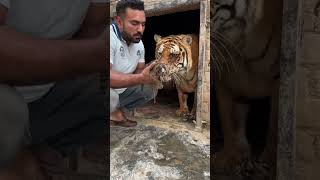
x=146, y=78
x=121, y=80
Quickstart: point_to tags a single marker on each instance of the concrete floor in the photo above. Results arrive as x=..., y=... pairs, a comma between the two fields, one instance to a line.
x=161, y=147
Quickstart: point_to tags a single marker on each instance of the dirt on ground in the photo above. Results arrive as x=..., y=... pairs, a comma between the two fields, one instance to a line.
x=162, y=146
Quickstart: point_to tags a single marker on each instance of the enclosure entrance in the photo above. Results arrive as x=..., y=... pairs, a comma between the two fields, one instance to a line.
x=187, y=22
x=170, y=17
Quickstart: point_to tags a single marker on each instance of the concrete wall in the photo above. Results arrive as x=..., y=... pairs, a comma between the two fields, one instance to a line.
x=308, y=95
x=157, y=8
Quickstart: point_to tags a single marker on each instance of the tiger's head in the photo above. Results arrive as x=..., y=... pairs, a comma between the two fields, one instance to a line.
x=174, y=55
x=231, y=21
x=234, y=18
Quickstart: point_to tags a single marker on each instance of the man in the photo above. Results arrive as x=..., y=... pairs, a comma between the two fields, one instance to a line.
x=127, y=64
x=51, y=55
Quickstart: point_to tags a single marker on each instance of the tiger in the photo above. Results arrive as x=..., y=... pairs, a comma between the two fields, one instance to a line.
x=177, y=57
x=245, y=44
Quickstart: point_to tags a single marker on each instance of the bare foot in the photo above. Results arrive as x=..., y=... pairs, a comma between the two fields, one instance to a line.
x=117, y=115
x=118, y=118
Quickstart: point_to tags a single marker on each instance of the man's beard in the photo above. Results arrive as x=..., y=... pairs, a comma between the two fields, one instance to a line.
x=132, y=39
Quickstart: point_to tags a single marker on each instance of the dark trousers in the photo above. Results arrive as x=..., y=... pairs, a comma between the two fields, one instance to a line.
x=72, y=114
x=132, y=97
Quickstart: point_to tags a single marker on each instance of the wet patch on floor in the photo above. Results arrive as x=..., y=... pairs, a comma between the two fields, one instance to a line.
x=148, y=152
x=162, y=146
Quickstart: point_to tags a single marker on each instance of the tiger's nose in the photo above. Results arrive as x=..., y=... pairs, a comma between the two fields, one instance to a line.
x=163, y=68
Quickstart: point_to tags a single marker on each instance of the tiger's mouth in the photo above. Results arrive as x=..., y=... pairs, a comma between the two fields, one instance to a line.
x=161, y=72
x=165, y=78
x=167, y=73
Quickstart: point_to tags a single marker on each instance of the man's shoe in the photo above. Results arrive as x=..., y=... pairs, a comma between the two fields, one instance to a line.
x=125, y=123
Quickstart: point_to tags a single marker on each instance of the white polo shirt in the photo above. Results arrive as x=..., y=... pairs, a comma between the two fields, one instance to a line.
x=48, y=19
x=124, y=58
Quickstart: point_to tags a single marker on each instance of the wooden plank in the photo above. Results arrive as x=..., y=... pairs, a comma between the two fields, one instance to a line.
x=287, y=113
x=204, y=59
x=157, y=8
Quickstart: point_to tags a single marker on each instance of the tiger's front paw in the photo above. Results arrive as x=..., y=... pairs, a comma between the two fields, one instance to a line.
x=182, y=112
x=189, y=117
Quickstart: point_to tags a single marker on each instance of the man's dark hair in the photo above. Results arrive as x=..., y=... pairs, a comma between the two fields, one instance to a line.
x=122, y=5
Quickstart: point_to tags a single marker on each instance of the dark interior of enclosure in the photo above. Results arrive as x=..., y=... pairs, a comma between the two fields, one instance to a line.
x=187, y=22
x=170, y=24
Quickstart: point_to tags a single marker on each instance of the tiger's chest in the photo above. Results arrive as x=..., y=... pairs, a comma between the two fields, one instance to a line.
x=187, y=87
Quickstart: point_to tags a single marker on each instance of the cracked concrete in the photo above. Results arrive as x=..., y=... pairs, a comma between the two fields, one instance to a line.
x=148, y=152
x=161, y=147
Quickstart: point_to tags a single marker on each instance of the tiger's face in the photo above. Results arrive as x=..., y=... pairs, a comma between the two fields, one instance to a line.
x=173, y=53
x=232, y=19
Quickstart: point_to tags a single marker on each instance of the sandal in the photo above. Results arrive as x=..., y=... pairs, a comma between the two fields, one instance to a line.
x=124, y=123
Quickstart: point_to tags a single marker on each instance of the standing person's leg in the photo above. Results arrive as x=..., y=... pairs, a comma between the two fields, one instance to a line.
x=13, y=124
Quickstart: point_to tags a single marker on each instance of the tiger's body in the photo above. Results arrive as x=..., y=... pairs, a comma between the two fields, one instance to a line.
x=245, y=42
x=178, y=61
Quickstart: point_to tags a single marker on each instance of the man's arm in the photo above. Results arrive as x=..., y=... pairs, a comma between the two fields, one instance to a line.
x=121, y=80
x=95, y=21
x=139, y=68
x=26, y=60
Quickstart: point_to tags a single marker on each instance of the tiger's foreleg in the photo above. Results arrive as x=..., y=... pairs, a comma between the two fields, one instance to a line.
x=194, y=107
x=183, y=110
x=269, y=154
x=236, y=148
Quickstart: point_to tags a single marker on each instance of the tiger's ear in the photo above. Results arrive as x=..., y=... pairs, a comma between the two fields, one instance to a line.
x=187, y=39
x=157, y=37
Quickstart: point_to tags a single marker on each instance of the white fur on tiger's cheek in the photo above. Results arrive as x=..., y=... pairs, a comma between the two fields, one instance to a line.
x=174, y=49
x=160, y=50
x=185, y=61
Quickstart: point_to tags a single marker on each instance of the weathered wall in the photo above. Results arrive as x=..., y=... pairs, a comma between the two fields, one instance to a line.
x=155, y=7
x=308, y=95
